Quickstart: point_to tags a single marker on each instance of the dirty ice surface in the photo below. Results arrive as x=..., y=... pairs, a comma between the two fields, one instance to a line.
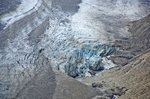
x=78, y=44
x=23, y=9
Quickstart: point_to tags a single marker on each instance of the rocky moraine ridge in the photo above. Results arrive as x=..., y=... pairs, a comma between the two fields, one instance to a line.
x=73, y=49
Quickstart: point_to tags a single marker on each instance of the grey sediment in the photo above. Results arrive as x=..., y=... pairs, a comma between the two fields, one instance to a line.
x=71, y=6
x=8, y=5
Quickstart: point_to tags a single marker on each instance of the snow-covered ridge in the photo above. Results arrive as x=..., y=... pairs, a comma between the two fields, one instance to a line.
x=25, y=8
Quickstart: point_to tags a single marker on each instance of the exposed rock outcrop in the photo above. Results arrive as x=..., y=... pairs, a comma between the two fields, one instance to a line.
x=137, y=44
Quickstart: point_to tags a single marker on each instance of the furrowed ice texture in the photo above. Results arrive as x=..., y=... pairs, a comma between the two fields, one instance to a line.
x=19, y=57
x=37, y=35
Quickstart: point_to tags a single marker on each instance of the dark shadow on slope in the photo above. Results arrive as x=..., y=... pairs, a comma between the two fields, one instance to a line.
x=67, y=5
x=8, y=5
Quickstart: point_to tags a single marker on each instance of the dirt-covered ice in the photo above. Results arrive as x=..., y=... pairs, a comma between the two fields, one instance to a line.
x=22, y=10
x=84, y=35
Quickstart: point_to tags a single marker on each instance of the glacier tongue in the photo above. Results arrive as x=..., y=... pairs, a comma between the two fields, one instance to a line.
x=68, y=53
x=76, y=44
x=97, y=23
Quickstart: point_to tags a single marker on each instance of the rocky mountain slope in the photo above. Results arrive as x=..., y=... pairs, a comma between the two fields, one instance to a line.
x=130, y=79
x=44, y=43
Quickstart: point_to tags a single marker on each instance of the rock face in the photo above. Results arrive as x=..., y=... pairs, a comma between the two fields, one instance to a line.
x=137, y=44
x=134, y=77
x=135, y=73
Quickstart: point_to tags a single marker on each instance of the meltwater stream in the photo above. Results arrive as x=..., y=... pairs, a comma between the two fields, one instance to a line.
x=79, y=44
